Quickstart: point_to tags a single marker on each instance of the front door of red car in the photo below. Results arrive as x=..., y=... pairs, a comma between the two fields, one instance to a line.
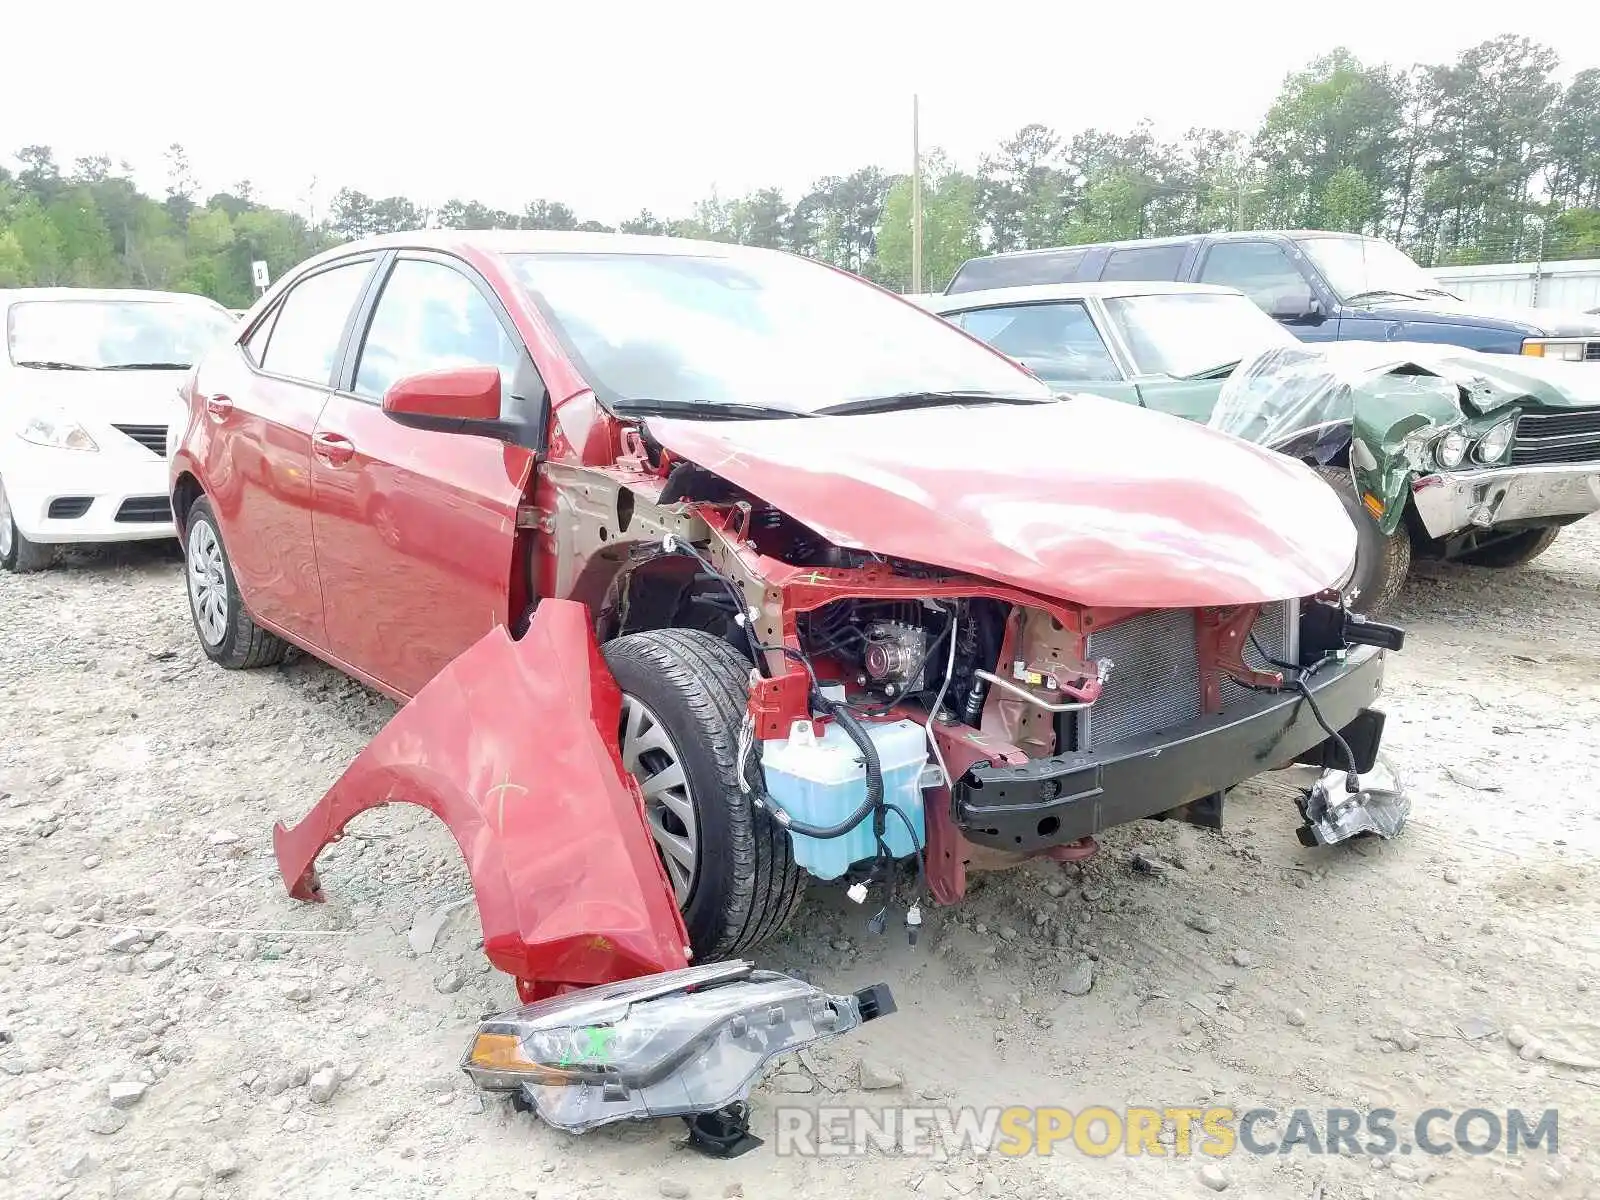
x=415, y=530
x=257, y=459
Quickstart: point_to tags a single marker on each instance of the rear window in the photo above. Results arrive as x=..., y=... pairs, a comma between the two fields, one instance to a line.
x=1146, y=263
x=1022, y=270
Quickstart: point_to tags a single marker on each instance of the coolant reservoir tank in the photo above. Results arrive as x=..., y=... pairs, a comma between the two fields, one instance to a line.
x=820, y=779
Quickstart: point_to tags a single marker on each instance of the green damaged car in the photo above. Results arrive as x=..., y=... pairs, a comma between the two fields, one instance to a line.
x=1437, y=451
x=1440, y=452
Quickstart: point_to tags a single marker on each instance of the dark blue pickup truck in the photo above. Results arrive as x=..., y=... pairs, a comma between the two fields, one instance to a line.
x=1323, y=286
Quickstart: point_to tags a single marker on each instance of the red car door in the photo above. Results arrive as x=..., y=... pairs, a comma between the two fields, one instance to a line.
x=259, y=412
x=415, y=530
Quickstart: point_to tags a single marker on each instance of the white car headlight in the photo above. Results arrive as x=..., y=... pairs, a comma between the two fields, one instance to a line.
x=56, y=432
x=1451, y=449
x=1493, y=445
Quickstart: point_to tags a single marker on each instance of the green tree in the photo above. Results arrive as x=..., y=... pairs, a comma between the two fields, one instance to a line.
x=949, y=226
x=1491, y=113
x=15, y=270
x=1573, y=164
x=1338, y=119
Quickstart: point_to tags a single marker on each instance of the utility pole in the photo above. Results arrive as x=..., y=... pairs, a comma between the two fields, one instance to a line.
x=916, y=199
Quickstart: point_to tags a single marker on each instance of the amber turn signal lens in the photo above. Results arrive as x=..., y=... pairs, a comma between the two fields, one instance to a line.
x=1373, y=504
x=1533, y=349
x=498, y=1052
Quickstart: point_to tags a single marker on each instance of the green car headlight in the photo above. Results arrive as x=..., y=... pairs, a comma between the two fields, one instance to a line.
x=1451, y=449
x=1492, y=446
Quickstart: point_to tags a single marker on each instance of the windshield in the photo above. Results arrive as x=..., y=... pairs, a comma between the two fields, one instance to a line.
x=754, y=329
x=104, y=335
x=1362, y=266
x=1188, y=333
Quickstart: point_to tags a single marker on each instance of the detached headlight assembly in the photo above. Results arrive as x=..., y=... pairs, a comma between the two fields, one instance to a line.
x=1492, y=446
x=59, y=433
x=1451, y=449
x=678, y=1044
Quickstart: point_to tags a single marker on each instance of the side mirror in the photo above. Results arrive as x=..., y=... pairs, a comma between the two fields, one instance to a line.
x=1306, y=311
x=459, y=400
x=459, y=394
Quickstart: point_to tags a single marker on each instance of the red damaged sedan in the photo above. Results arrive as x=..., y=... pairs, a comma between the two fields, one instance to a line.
x=704, y=569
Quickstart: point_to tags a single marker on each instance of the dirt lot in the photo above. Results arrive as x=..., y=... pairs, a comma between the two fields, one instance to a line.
x=138, y=786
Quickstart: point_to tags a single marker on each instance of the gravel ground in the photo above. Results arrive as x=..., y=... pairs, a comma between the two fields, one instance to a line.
x=267, y=1048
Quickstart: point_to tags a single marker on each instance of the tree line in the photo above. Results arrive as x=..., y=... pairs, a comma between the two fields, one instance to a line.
x=1485, y=159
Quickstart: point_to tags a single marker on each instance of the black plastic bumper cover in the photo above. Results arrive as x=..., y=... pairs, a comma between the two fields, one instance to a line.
x=1050, y=801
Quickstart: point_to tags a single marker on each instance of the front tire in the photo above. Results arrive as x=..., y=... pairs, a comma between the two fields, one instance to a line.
x=17, y=553
x=1382, y=560
x=732, y=867
x=1513, y=550
x=227, y=634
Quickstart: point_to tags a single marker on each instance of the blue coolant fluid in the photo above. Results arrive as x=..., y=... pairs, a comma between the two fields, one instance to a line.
x=821, y=780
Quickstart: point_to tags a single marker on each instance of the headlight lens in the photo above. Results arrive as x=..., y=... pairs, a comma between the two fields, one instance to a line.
x=1567, y=351
x=1451, y=449
x=56, y=432
x=1493, y=445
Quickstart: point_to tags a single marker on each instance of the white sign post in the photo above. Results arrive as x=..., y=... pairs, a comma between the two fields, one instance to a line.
x=258, y=276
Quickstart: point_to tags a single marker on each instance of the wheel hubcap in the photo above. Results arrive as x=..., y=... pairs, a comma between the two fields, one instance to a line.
x=651, y=758
x=5, y=523
x=208, y=585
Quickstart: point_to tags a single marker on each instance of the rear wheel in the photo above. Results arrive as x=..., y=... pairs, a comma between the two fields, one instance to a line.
x=17, y=553
x=731, y=866
x=1513, y=550
x=1382, y=560
x=227, y=634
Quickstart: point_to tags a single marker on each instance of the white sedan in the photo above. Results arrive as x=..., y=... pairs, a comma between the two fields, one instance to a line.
x=88, y=387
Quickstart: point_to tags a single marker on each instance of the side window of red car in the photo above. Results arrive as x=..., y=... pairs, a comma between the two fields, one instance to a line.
x=310, y=323
x=431, y=317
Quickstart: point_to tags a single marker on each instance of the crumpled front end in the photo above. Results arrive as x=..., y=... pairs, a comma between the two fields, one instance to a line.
x=1480, y=439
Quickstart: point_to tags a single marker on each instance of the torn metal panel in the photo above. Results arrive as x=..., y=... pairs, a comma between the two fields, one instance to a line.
x=514, y=747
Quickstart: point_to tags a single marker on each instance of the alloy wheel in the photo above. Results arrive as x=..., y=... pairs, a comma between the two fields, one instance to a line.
x=649, y=755
x=208, y=583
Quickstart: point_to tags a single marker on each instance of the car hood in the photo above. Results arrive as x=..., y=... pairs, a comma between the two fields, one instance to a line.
x=97, y=398
x=1531, y=322
x=1086, y=500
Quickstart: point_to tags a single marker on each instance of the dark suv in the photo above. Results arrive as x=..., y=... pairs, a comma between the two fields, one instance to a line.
x=1323, y=286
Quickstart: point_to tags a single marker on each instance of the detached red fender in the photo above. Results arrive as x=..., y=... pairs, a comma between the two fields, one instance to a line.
x=514, y=747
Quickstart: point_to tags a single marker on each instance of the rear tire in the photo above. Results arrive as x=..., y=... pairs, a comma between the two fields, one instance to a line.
x=17, y=553
x=1512, y=551
x=692, y=687
x=227, y=634
x=1382, y=560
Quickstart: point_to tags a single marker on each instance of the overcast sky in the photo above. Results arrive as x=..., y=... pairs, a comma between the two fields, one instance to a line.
x=614, y=106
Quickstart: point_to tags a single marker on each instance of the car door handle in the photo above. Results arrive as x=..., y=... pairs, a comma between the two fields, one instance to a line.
x=332, y=448
x=218, y=407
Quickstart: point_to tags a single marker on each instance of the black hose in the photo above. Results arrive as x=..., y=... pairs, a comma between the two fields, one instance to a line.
x=916, y=846
x=869, y=755
x=1352, y=777
x=741, y=613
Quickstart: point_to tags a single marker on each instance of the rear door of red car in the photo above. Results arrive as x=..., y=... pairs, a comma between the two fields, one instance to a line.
x=415, y=530
x=257, y=457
